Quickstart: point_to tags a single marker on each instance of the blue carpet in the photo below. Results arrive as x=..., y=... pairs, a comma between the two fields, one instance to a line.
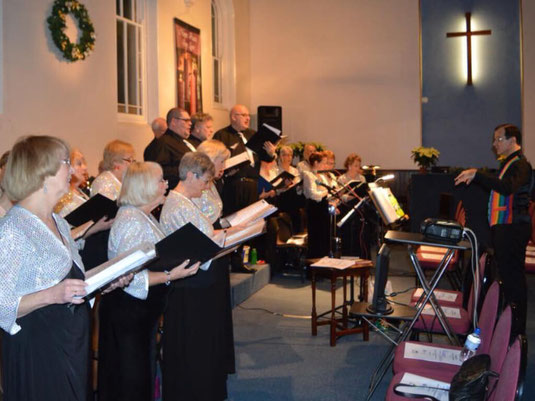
x=277, y=358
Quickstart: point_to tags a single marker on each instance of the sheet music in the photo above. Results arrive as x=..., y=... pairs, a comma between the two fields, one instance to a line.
x=415, y=380
x=440, y=295
x=254, y=212
x=130, y=261
x=251, y=230
x=432, y=354
x=234, y=161
x=450, y=312
x=334, y=263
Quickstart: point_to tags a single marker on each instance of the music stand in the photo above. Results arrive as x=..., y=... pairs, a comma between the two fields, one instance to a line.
x=428, y=286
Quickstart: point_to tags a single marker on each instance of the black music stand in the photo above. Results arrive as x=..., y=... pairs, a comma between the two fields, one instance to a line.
x=359, y=310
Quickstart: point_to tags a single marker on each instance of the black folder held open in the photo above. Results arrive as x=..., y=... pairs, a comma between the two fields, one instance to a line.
x=94, y=209
x=188, y=242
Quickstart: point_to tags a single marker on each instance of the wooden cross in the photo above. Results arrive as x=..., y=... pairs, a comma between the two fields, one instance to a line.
x=468, y=35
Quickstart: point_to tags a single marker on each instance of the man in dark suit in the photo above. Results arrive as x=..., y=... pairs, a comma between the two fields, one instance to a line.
x=240, y=187
x=173, y=144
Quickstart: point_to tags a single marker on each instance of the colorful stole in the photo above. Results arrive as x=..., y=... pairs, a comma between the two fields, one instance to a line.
x=501, y=206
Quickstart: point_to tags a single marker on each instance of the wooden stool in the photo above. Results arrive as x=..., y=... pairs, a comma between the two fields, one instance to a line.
x=339, y=325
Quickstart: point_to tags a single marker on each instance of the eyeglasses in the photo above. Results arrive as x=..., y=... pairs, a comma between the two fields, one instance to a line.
x=129, y=159
x=162, y=181
x=67, y=162
x=205, y=180
x=183, y=119
x=242, y=114
x=499, y=139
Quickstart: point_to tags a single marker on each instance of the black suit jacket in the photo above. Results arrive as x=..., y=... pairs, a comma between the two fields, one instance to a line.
x=151, y=150
x=230, y=137
x=168, y=152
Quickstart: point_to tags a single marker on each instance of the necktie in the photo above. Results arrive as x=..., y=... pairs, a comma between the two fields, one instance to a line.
x=190, y=146
x=249, y=151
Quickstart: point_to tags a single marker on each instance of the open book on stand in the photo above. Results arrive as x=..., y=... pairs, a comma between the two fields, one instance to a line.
x=129, y=262
x=256, y=211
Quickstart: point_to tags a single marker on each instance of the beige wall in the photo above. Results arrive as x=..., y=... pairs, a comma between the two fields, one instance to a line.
x=345, y=72
x=44, y=94
x=528, y=11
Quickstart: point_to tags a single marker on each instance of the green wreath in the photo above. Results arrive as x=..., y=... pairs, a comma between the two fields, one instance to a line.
x=56, y=24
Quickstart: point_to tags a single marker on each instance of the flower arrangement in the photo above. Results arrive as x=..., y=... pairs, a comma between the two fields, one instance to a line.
x=425, y=157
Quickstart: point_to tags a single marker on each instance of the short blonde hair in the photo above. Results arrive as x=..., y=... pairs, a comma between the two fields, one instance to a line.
x=215, y=150
x=140, y=184
x=32, y=159
x=114, y=152
x=285, y=149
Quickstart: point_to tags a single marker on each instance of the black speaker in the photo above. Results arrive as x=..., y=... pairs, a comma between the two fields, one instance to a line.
x=271, y=115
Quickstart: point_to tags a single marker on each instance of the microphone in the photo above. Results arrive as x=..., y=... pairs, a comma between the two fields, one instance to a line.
x=322, y=184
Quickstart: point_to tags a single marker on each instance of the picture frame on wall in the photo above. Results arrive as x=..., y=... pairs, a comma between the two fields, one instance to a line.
x=188, y=66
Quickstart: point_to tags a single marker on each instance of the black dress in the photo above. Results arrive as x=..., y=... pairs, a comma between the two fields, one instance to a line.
x=198, y=344
x=49, y=358
x=127, y=344
x=318, y=228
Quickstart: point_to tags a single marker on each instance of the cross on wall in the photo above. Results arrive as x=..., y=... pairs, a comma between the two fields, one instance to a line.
x=469, y=33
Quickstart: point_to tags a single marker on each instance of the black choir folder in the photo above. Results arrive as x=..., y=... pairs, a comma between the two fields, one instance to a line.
x=188, y=242
x=265, y=133
x=94, y=209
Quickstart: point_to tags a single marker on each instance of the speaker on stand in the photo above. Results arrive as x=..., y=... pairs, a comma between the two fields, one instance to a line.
x=271, y=115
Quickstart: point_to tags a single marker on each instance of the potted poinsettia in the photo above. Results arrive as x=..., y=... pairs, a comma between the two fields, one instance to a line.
x=425, y=157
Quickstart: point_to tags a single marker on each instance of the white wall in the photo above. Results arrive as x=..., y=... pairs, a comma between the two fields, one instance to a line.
x=346, y=73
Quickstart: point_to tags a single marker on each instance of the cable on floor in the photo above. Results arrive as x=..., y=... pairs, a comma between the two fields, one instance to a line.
x=288, y=315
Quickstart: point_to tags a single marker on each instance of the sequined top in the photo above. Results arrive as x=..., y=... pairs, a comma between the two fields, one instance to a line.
x=70, y=201
x=210, y=203
x=131, y=228
x=106, y=184
x=32, y=259
x=177, y=211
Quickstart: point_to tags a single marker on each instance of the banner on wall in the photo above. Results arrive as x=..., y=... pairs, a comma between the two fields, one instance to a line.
x=188, y=67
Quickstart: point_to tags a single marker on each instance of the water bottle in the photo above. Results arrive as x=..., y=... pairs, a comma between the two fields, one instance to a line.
x=254, y=256
x=471, y=345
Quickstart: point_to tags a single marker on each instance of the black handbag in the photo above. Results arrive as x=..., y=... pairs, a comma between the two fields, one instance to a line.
x=468, y=384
